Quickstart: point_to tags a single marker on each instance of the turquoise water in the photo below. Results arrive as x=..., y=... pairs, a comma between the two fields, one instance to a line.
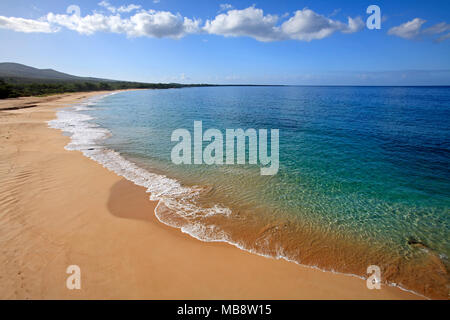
x=363, y=179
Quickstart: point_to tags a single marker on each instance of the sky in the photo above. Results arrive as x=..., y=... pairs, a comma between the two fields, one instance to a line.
x=295, y=42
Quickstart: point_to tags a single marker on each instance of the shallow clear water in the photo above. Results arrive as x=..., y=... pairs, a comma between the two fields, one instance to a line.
x=363, y=170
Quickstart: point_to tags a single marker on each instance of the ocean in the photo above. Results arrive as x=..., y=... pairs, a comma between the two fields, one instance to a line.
x=363, y=173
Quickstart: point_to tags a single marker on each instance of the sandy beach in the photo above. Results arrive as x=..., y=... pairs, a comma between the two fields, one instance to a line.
x=59, y=208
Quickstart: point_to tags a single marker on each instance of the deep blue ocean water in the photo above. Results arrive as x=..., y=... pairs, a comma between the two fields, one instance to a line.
x=366, y=165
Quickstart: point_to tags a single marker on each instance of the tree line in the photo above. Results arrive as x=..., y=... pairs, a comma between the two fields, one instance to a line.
x=24, y=89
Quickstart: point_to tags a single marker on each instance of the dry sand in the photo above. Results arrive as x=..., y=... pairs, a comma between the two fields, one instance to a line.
x=59, y=208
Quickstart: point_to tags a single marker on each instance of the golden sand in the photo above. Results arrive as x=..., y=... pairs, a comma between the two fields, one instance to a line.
x=59, y=208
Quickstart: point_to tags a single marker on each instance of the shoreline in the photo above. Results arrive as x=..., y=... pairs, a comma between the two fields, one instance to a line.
x=71, y=210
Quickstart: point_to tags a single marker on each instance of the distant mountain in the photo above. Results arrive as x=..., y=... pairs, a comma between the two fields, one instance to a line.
x=18, y=80
x=20, y=72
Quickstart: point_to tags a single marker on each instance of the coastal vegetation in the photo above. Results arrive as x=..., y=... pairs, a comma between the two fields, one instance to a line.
x=22, y=88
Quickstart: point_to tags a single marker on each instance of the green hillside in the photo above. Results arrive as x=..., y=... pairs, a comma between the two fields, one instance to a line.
x=17, y=80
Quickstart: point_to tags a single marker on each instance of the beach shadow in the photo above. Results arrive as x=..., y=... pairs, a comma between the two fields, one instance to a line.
x=129, y=201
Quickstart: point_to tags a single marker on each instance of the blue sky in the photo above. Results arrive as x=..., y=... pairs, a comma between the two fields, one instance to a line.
x=261, y=42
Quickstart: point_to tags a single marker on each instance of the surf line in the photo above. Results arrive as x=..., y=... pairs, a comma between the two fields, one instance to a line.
x=238, y=144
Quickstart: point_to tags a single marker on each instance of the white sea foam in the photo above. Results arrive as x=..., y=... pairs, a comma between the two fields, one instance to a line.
x=86, y=136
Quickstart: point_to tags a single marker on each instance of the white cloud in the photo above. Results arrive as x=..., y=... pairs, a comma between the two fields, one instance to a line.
x=161, y=24
x=354, y=25
x=413, y=30
x=437, y=28
x=150, y=23
x=122, y=9
x=225, y=7
x=107, y=5
x=129, y=8
x=89, y=24
x=249, y=22
x=408, y=30
x=26, y=25
x=305, y=25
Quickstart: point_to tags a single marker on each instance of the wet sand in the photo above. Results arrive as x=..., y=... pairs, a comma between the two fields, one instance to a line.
x=59, y=208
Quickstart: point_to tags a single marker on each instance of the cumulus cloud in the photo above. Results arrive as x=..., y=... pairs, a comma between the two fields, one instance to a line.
x=161, y=24
x=250, y=22
x=26, y=25
x=157, y=24
x=89, y=24
x=413, y=30
x=305, y=25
